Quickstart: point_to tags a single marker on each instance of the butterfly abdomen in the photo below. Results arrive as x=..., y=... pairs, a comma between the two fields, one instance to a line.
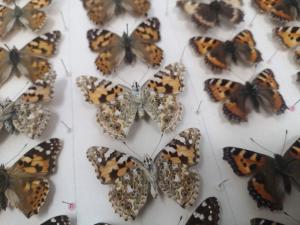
x=129, y=55
x=14, y=57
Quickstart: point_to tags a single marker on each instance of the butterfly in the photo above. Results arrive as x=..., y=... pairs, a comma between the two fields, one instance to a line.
x=209, y=15
x=207, y=213
x=272, y=177
x=282, y=10
x=30, y=16
x=100, y=11
x=30, y=61
x=290, y=38
x=113, y=49
x=133, y=181
x=260, y=221
x=118, y=106
x=58, y=220
x=25, y=185
x=27, y=114
x=219, y=54
x=263, y=92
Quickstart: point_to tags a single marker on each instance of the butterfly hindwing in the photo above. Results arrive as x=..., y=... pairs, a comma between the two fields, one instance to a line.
x=137, y=7
x=58, y=220
x=129, y=185
x=207, y=213
x=261, y=221
x=175, y=178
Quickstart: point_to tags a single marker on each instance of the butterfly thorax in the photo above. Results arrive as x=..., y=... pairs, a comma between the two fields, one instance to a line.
x=250, y=91
x=230, y=48
x=4, y=179
x=215, y=6
x=127, y=43
x=14, y=56
x=151, y=173
x=18, y=12
x=136, y=92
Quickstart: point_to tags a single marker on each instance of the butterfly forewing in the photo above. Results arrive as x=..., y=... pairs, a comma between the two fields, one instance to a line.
x=260, y=221
x=7, y=20
x=137, y=7
x=58, y=220
x=207, y=213
x=289, y=35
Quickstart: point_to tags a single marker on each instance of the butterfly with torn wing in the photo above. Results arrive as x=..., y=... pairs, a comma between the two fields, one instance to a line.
x=207, y=213
x=30, y=61
x=290, y=38
x=27, y=114
x=260, y=221
x=263, y=92
x=58, y=220
x=272, y=177
x=209, y=15
x=100, y=11
x=118, y=106
x=218, y=54
x=30, y=16
x=113, y=49
x=133, y=181
x=25, y=185
x=281, y=10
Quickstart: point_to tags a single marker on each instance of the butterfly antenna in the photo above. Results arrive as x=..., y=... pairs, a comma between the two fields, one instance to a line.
x=180, y=219
x=221, y=185
x=182, y=54
x=17, y=155
x=272, y=56
x=199, y=107
x=131, y=150
x=69, y=129
x=67, y=72
x=63, y=20
x=7, y=47
x=253, y=19
x=293, y=107
x=291, y=217
x=284, y=141
x=261, y=146
x=160, y=139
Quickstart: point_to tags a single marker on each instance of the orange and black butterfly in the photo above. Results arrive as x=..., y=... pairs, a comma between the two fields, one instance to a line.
x=209, y=15
x=263, y=92
x=261, y=221
x=282, y=10
x=219, y=54
x=272, y=177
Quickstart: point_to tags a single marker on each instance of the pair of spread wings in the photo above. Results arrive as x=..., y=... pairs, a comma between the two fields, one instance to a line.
x=112, y=50
x=129, y=181
x=32, y=16
x=27, y=114
x=58, y=220
x=208, y=15
x=117, y=108
x=290, y=38
x=235, y=96
x=281, y=10
x=218, y=55
x=29, y=186
x=32, y=58
x=101, y=11
x=266, y=186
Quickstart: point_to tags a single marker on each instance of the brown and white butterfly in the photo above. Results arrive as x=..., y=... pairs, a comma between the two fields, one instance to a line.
x=263, y=91
x=261, y=221
x=208, y=15
x=30, y=16
x=101, y=11
x=133, y=181
x=113, y=49
x=290, y=38
x=27, y=115
x=25, y=185
x=30, y=61
x=58, y=220
x=218, y=54
x=271, y=177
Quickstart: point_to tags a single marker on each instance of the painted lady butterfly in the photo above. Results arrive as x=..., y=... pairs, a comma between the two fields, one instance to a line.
x=209, y=15
x=260, y=221
x=132, y=180
x=290, y=38
x=113, y=49
x=27, y=115
x=100, y=11
x=261, y=92
x=25, y=185
x=207, y=213
x=281, y=10
x=218, y=54
x=118, y=105
x=30, y=16
x=31, y=61
x=58, y=220
x=272, y=177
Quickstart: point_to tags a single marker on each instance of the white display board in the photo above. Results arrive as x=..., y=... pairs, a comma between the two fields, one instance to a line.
x=75, y=180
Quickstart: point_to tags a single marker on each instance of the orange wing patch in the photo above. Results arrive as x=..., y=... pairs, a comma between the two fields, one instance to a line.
x=267, y=78
x=289, y=36
x=147, y=31
x=234, y=112
x=203, y=45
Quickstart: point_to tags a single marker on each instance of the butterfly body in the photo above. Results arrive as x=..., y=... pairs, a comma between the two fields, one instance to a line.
x=127, y=43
